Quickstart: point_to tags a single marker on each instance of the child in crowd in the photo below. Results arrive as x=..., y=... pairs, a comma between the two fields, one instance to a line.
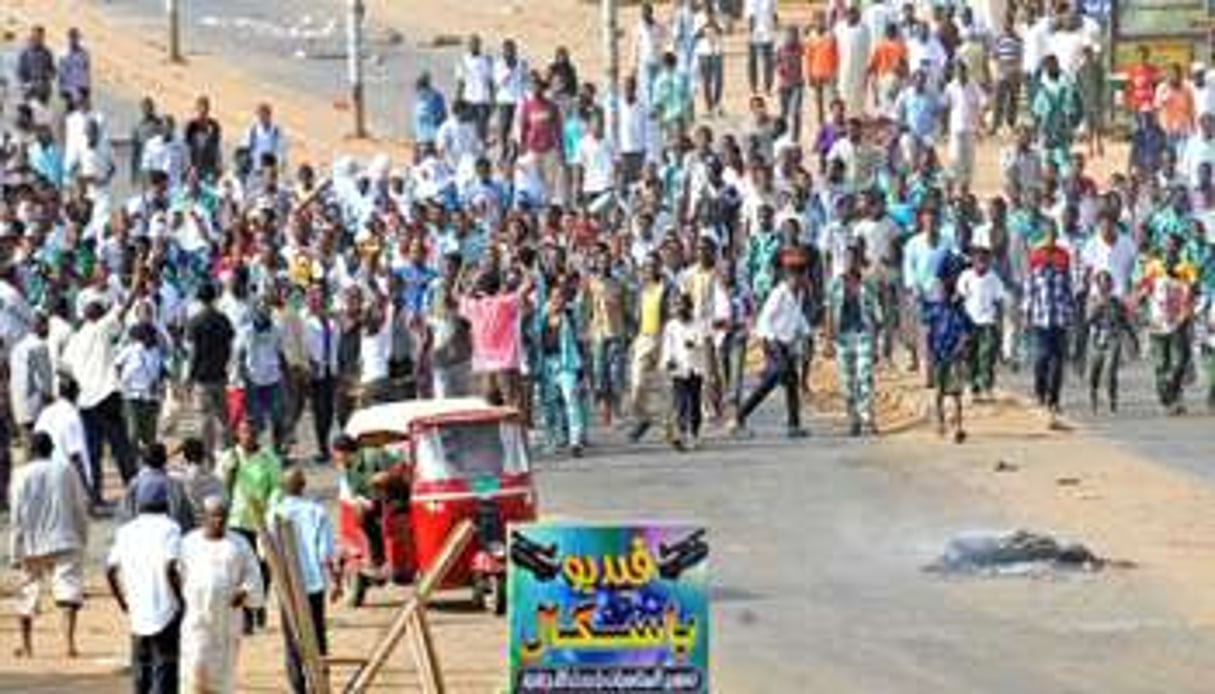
x=686, y=359
x=949, y=334
x=1107, y=321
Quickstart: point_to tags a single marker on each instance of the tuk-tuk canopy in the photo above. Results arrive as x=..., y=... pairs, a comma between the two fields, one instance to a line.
x=400, y=417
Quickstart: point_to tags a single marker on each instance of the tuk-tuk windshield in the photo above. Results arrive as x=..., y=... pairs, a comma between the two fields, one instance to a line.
x=470, y=450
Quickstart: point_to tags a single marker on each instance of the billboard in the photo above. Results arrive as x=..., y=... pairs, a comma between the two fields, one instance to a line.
x=608, y=608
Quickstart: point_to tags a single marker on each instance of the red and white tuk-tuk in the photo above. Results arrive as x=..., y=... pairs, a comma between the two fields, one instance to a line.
x=454, y=459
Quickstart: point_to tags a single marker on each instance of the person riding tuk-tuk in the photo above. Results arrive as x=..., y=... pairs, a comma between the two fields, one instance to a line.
x=412, y=472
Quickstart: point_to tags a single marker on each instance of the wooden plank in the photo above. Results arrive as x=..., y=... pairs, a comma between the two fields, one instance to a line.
x=457, y=540
x=309, y=648
x=278, y=577
x=425, y=655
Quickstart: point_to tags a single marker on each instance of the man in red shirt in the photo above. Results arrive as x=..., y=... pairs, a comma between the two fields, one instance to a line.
x=540, y=133
x=790, y=81
x=1141, y=81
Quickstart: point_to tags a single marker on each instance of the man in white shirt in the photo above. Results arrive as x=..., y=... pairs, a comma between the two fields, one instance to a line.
x=783, y=327
x=1112, y=252
x=1037, y=47
x=635, y=129
x=375, y=351
x=61, y=421
x=259, y=358
x=510, y=89
x=75, y=130
x=31, y=376
x=266, y=139
x=964, y=100
x=1204, y=91
x=142, y=571
x=458, y=143
x=982, y=292
x=597, y=162
x=762, y=22
x=1198, y=149
x=321, y=331
x=648, y=43
x=90, y=357
x=49, y=532
x=475, y=85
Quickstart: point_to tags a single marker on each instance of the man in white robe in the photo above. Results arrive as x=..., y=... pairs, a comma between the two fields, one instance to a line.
x=853, y=40
x=220, y=576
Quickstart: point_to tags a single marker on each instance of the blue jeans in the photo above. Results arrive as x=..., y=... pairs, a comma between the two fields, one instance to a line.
x=607, y=370
x=561, y=397
x=262, y=407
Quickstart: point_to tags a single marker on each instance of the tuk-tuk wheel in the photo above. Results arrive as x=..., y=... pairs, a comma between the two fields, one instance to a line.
x=490, y=592
x=356, y=587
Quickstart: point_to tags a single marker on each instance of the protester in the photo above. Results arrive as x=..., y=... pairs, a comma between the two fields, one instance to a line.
x=143, y=574
x=982, y=292
x=220, y=576
x=211, y=337
x=155, y=473
x=361, y=470
x=31, y=376
x=48, y=529
x=1049, y=312
x=949, y=332
x=853, y=319
x=782, y=325
x=61, y=421
x=684, y=355
x=318, y=563
x=252, y=475
x=194, y=474
x=1108, y=326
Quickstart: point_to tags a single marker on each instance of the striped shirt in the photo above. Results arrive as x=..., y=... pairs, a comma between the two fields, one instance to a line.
x=1048, y=292
x=1008, y=50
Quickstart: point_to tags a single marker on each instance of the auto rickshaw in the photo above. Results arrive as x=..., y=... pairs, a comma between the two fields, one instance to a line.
x=451, y=460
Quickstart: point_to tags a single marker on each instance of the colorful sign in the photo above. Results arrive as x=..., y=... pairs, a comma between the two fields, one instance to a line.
x=621, y=609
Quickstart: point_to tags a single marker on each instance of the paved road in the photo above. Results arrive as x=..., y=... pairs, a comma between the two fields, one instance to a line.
x=817, y=555
x=1140, y=424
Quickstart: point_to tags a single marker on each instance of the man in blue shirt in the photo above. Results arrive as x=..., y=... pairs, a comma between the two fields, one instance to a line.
x=919, y=109
x=415, y=277
x=314, y=543
x=429, y=111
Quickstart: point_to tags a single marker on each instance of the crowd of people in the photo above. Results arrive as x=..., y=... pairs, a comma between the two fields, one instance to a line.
x=585, y=257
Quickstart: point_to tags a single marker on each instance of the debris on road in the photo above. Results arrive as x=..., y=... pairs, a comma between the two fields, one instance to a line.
x=1020, y=552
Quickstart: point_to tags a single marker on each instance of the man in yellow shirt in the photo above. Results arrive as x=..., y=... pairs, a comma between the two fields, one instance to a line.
x=647, y=346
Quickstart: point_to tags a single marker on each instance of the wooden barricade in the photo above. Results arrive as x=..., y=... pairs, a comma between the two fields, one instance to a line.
x=282, y=554
x=412, y=618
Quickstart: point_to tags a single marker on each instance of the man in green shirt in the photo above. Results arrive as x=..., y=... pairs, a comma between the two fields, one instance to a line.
x=363, y=470
x=252, y=476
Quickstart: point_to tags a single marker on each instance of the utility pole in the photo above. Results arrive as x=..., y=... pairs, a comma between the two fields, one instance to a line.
x=354, y=63
x=611, y=55
x=173, y=12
